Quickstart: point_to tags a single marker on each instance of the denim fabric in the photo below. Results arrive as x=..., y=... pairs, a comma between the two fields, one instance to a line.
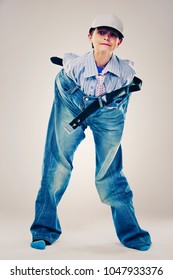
x=107, y=126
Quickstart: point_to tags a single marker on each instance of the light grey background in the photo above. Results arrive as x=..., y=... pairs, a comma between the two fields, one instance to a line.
x=31, y=31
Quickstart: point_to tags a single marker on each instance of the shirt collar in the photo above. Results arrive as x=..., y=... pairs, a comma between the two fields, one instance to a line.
x=91, y=69
x=112, y=66
x=90, y=66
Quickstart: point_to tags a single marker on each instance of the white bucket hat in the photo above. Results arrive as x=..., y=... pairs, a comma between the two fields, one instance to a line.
x=108, y=20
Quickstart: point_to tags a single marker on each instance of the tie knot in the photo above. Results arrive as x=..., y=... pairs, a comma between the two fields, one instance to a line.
x=100, y=78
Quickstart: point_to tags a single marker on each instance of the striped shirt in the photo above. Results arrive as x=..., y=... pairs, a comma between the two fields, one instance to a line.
x=83, y=71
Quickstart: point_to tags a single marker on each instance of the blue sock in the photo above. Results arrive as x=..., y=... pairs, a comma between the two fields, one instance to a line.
x=144, y=248
x=39, y=244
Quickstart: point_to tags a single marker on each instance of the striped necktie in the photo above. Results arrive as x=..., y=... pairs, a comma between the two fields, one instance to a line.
x=100, y=88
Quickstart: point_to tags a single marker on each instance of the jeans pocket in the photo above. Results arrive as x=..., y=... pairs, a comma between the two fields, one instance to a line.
x=65, y=84
x=120, y=103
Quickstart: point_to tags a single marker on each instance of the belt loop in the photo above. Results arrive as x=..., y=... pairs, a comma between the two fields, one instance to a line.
x=74, y=89
x=100, y=102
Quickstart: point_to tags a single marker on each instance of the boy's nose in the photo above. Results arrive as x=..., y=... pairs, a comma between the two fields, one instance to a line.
x=106, y=37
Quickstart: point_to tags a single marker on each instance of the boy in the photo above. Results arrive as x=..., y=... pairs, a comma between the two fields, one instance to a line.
x=83, y=80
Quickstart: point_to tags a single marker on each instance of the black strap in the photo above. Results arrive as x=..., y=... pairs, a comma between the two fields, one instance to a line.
x=56, y=60
x=101, y=101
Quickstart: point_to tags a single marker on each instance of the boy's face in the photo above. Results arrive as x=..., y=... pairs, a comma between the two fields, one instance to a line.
x=105, y=39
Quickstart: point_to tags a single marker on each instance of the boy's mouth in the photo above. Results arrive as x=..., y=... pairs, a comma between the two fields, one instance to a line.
x=105, y=44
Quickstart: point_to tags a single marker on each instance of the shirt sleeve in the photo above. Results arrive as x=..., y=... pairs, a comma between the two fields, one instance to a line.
x=69, y=61
x=128, y=72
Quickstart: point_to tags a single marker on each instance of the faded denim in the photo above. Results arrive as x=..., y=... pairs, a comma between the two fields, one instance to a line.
x=107, y=126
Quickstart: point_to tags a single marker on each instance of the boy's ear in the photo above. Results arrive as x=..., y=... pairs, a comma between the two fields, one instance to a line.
x=120, y=41
x=89, y=37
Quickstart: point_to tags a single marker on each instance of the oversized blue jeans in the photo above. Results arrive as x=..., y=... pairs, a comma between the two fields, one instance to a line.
x=107, y=125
